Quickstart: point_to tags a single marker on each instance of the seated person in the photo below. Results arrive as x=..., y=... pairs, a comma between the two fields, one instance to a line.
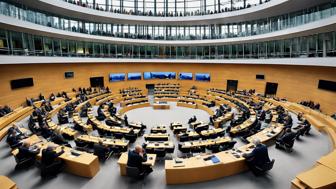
x=58, y=138
x=333, y=116
x=136, y=159
x=287, y=138
x=52, y=97
x=193, y=119
x=29, y=102
x=258, y=157
x=303, y=128
x=48, y=107
x=50, y=159
x=126, y=120
x=26, y=156
x=45, y=130
x=102, y=151
x=62, y=118
x=5, y=110
x=14, y=139
x=41, y=97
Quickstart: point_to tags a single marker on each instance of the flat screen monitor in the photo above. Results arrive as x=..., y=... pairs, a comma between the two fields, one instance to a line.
x=185, y=76
x=327, y=85
x=159, y=75
x=134, y=76
x=260, y=77
x=69, y=75
x=21, y=83
x=202, y=77
x=114, y=77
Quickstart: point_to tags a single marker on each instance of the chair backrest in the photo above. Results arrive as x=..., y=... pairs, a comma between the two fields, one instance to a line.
x=132, y=171
x=267, y=166
x=160, y=152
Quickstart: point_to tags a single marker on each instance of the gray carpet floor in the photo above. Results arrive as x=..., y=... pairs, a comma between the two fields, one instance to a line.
x=287, y=165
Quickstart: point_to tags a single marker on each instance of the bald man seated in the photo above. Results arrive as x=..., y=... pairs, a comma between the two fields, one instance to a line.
x=136, y=158
x=258, y=157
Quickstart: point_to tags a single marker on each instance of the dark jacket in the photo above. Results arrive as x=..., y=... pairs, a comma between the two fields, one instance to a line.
x=288, y=137
x=49, y=156
x=135, y=160
x=26, y=153
x=259, y=155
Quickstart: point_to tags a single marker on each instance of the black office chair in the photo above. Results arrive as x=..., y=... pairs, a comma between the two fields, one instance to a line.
x=24, y=163
x=100, y=117
x=264, y=168
x=81, y=145
x=213, y=136
x=184, y=138
x=79, y=128
x=160, y=153
x=287, y=146
x=214, y=148
x=131, y=137
x=228, y=145
x=118, y=135
x=109, y=122
x=134, y=172
x=170, y=150
x=185, y=151
x=116, y=150
x=102, y=154
x=150, y=150
x=101, y=132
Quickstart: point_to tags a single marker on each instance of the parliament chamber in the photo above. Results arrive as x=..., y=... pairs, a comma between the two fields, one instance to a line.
x=167, y=94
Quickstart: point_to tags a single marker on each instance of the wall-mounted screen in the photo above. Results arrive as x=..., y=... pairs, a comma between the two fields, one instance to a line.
x=260, y=77
x=117, y=77
x=20, y=83
x=159, y=75
x=185, y=76
x=327, y=85
x=68, y=75
x=202, y=77
x=134, y=76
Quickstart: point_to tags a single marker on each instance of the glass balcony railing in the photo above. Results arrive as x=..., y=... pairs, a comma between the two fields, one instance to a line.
x=179, y=32
x=318, y=45
x=167, y=8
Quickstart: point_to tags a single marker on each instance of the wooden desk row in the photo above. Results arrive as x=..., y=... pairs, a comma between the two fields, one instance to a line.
x=133, y=101
x=17, y=114
x=156, y=137
x=105, y=141
x=77, y=163
x=205, y=143
x=71, y=133
x=134, y=106
x=222, y=119
x=112, y=129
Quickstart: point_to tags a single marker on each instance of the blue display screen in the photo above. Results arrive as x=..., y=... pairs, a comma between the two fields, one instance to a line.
x=159, y=75
x=134, y=76
x=186, y=76
x=117, y=77
x=202, y=77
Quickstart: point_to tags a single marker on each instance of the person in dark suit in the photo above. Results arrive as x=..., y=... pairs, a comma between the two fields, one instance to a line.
x=287, y=138
x=258, y=157
x=102, y=151
x=136, y=158
x=14, y=139
x=26, y=156
x=126, y=120
x=50, y=163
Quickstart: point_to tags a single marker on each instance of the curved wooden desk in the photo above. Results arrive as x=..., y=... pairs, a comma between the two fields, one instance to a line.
x=196, y=169
x=7, y=183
